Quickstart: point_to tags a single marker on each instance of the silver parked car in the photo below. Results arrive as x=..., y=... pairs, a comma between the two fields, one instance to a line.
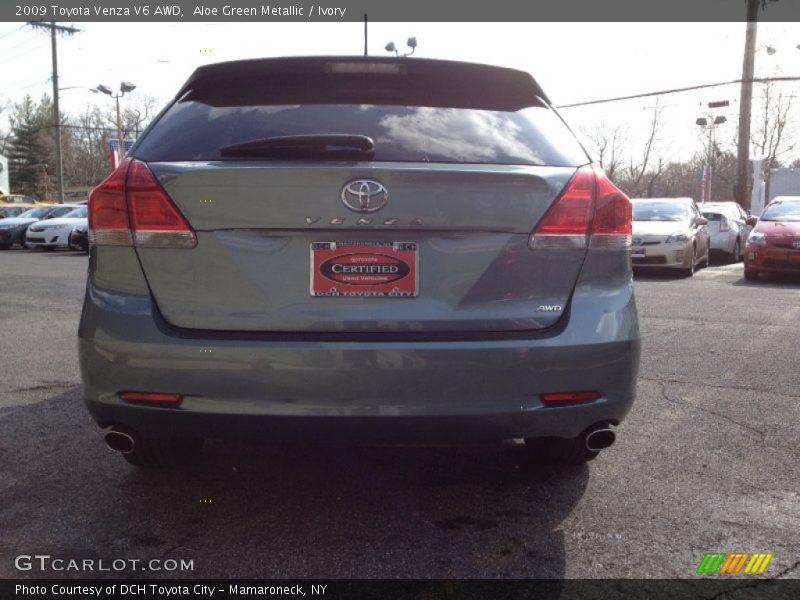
x=669, y=233
x=728, y=225
x=361, y=248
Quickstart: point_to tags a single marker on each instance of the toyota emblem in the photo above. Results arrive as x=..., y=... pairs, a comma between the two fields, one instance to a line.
x=364, y=195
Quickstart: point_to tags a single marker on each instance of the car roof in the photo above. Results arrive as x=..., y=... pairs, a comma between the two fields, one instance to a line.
x=717, y=206
x=683, y=200
x=785, y=199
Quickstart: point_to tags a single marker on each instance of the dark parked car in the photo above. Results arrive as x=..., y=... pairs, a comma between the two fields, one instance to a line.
x=11, y=210
x=359, y=248
x=13, y=229
x=79, y=238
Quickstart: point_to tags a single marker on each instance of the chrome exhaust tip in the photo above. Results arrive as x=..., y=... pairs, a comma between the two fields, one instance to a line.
x=600, y=439
x=119, y=441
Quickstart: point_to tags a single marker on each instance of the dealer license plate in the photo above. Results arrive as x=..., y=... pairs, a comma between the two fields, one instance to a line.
x=380, y=269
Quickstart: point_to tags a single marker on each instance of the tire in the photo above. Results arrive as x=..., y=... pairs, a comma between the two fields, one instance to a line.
x=708, y=257
x=163, y=452
x=751, y=275
x=692, y=263
x=736, y=255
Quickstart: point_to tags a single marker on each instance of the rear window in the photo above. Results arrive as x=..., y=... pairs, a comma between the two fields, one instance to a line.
x=195, y=131
x=712, y=216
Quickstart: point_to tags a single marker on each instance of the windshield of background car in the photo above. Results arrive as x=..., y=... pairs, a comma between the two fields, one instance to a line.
x=61, y=211
x=35, y=213
x=193, y=130
x=782, y=211
x=78, y=213
x=712, y=216
x=660, y=211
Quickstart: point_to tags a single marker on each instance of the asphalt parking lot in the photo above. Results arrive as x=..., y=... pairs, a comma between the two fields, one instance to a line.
x=707, y=461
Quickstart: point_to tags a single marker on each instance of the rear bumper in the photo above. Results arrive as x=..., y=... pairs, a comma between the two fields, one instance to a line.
x=722, y=243
x=373, y=390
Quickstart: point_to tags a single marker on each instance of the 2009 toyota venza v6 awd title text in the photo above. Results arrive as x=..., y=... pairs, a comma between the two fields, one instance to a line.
x=368, y=249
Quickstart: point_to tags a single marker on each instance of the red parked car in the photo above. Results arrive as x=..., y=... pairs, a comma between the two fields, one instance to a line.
x=774, y=243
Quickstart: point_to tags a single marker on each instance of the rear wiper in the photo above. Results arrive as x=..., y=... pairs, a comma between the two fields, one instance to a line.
x=328, y=146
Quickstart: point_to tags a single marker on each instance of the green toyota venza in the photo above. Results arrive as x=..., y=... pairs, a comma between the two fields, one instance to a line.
x=358, y=250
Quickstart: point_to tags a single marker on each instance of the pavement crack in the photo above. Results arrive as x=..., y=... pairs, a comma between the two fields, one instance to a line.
x=667, y=397
x=181, y=543
x=46, y=386
x=721, y=387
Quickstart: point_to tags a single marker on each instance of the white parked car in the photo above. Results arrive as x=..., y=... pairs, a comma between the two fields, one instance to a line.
x=54, y=233
x=729, y=226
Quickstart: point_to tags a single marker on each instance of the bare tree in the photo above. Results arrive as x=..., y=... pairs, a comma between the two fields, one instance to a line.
x=608, y=145
x=639, y=177
x=774, y=135
x=86, y=156
x=136, y=112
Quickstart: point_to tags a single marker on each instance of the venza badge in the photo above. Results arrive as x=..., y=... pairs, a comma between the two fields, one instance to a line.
x=364, y=195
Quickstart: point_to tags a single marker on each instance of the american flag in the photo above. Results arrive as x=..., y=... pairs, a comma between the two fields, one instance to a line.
x=113, y=150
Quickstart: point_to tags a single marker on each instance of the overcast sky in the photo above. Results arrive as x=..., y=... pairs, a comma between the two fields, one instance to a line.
x=573, y=62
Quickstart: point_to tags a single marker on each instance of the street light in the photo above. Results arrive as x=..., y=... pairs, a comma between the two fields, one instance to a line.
x=124, y=88
x=411, y=43
x=708, y=124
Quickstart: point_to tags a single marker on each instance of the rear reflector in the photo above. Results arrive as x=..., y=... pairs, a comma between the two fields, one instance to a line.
x=150, y=397
x=570, y=396
x=130, y=207
x=590, y=209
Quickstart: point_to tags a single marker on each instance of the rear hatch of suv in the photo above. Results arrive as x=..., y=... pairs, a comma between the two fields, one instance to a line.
x=363, y=195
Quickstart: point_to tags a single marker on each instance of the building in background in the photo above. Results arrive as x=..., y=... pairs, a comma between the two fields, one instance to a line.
x=4, y=184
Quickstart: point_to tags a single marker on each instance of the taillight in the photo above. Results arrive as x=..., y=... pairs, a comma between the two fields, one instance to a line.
x=130, y=207
x=108, y=213
x=723, y=224
x=591, y=210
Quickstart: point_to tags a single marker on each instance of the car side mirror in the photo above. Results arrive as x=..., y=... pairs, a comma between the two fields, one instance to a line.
x=700, y=221
x=751, y=221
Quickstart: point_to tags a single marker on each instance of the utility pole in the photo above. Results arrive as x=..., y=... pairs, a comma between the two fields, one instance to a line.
x=54, y=29
x=742, y=188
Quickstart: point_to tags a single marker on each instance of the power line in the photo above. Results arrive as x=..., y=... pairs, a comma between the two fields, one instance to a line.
x=63, y=126
x=5, y=35
x=21, y=54
x=18, y=46
x=677, y=90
